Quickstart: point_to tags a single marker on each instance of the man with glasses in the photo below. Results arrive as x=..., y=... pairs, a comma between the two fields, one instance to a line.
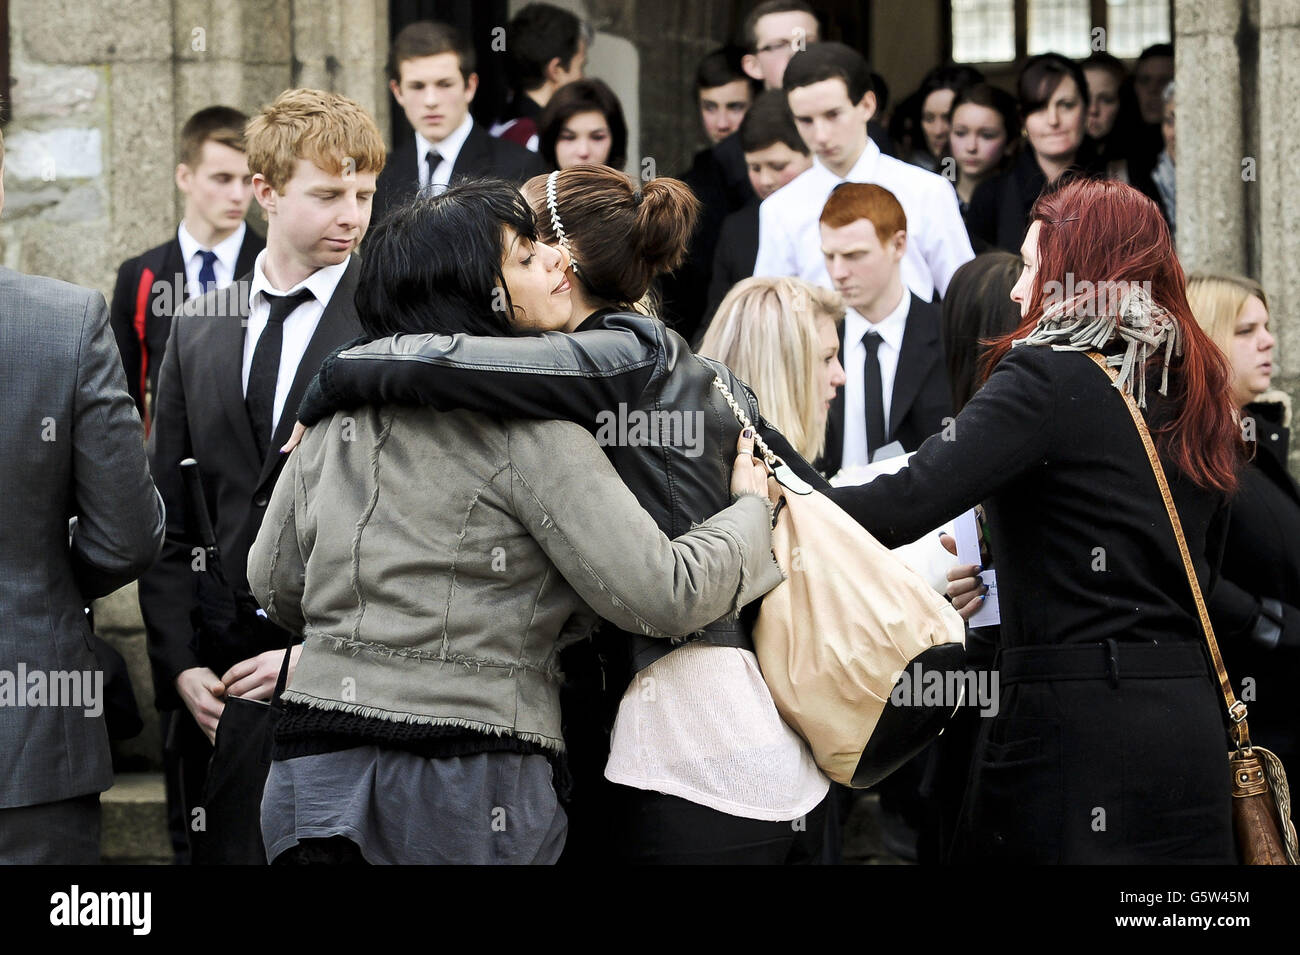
x=773, y=32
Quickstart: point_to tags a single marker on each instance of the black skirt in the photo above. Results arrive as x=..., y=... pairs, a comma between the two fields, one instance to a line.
x=1105, y=753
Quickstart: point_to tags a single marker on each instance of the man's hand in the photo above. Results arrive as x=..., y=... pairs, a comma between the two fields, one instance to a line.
x=299, y=429
x=965, y=589
x=202, y=693
x=254, y=678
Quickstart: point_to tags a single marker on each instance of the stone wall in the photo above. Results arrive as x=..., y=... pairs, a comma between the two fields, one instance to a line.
x=1237, y=81
x=100, y=92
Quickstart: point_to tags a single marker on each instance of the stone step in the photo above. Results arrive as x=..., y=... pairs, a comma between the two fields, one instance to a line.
x=134, y=828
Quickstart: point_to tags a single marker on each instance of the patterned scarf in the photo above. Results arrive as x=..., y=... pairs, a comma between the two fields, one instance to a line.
x=1135, y=321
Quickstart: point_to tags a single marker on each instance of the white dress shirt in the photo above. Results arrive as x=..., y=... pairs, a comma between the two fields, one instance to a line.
x=890, y=329
x=298, y=327
x=227, y=255
x=789, y=235
x=448, y=149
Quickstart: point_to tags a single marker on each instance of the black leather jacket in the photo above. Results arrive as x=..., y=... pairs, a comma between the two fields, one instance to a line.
x=613, y=376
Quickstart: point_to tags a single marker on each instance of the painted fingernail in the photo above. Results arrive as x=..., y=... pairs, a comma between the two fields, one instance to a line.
x=747, y=433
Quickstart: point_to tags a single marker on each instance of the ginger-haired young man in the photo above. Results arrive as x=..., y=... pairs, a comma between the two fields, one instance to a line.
x=236, y=367
x=211, y=248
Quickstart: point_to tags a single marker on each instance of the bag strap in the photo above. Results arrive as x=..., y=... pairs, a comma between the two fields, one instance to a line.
x=784, y=474
x=1236, y=708
x=283, y=679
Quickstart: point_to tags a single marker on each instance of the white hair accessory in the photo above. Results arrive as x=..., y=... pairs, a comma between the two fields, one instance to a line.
x=560, y=237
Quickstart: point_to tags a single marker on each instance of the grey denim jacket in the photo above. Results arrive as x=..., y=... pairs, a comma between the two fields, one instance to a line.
x=436, y=562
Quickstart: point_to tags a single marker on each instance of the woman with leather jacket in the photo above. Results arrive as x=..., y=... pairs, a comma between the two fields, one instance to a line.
x=704, y=770
x=436, y=562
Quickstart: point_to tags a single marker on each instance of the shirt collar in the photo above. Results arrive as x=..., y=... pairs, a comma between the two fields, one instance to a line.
x=863, y=170
x=450, y=147
x=227, y=249
x=321, y=283
x=890, y=328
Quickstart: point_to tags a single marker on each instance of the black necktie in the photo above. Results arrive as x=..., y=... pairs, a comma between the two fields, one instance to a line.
x=265, y=369
x=873, y=391
x=434, y=159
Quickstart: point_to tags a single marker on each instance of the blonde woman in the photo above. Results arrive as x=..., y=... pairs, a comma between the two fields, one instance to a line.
x=781, y=336
x=1255, y=605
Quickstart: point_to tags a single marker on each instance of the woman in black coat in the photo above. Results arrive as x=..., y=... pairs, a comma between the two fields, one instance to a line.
x=1256, y=606
x=1109, y=743
x=1053, y=96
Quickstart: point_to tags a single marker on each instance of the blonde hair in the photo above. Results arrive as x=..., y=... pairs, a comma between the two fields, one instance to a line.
x=765, y=330
x=327, y=129
x=1216, y=299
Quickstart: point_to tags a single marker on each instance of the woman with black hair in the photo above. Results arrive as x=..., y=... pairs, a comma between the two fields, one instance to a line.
x=1053, y=94
x=583, y=123
x=704, y=768
x=435, y=563
x=932, y=105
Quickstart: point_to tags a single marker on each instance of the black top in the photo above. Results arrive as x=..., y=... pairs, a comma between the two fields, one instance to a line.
x=733, y=259
x=1084, y=549
x=1261, y=559
x=999, y=209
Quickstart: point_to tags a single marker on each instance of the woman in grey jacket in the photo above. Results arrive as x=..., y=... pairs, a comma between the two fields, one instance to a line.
x=436, y=562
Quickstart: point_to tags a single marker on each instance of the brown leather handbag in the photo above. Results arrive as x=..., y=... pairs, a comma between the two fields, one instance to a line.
x=1261, y=799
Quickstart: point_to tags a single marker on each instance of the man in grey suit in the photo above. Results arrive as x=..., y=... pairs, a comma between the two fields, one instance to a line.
x=82, y=518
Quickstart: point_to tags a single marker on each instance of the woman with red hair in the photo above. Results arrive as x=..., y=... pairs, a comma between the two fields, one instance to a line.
x=1109, y=742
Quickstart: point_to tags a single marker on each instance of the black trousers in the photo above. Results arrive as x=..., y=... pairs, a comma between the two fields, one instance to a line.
x=1104, y=753
x=657, y=829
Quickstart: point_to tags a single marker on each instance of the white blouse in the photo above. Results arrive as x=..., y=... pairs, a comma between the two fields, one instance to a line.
x=700, y=724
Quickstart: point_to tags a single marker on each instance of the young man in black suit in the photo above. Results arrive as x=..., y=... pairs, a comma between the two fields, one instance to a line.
x=431, y=74
x=774, y=154
x=237, y=364
x=897, y=387
x=212, y=247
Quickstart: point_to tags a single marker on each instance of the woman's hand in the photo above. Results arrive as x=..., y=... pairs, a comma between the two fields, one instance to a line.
x=965, y=588
x=299, y=429
x=748, y=474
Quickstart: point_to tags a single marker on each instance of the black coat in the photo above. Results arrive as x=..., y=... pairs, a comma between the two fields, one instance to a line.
x=1261, y=559
x=482, y=155
x=1092, y=589
x=921, y=397
x=999, y=209
x=734, y=258
x=150, y=289
x=719, y=180
x=200, y=413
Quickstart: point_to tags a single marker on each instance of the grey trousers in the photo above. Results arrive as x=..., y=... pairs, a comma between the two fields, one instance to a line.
x=52, y=833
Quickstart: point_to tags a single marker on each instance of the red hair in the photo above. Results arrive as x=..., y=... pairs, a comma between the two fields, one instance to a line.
x=1113, y=236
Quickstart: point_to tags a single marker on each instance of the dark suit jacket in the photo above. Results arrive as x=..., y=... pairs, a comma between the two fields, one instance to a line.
x=482, y=155
x=921, y=398
x=150, y=289
x=734, y=258
x=719, y=179
x=200, y=413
